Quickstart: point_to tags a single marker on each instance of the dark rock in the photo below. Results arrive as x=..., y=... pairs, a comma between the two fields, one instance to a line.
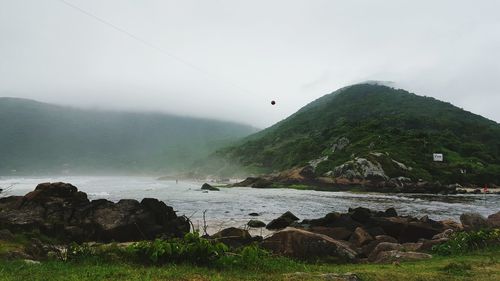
x=408, y=230
x=360, y=237
x=399, y=256
x=360, y=214
x=428, y=244
x=418, y=230
x=368, y=248
x=283, y=221
x=473, y=221
x=375, y=230
x=207, y=186
x=59, y=210
x=327, y=220
x=254, y=214
x=307, y=245
x=256, y=223
x=391, y=212
x=494, y=220
x=383, y=247
x=6, y=235
x=233, y=237
x=289, y=216
x=307, y=172
x=335, y=219
x=393, y=226
x=337, y=233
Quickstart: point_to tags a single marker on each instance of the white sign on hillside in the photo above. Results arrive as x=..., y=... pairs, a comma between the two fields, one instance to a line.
x=438, y=157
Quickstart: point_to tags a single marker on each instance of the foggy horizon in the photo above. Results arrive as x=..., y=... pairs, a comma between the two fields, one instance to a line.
x=227, y=60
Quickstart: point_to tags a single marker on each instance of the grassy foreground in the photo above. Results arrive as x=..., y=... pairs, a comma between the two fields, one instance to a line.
x=481, y=265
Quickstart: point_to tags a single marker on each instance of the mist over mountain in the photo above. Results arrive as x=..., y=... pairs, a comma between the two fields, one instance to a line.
x=393, y=128
x=40, y=138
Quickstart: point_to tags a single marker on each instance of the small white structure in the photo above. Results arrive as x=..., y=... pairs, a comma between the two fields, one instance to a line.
x=438, y=157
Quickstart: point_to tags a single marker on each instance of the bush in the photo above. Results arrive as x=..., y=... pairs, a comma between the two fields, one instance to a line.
x=463, y=242
x=191, y=249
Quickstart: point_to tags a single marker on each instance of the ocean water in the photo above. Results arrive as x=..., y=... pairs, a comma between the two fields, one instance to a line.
x=231, y=206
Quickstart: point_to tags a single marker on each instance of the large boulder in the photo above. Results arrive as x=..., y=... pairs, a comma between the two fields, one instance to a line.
x=283, y=221
x=473, y=221
x=360, y=168
x=408, y=229
x=494, y=220
x=337, y=233
x=417, y=230
x=335, y=219
x=303, y=244
x=383, y=247
x=428, y=244
x=59, y=210
x=360, y=237
x=207, y=186
x=256, y=223
x=360, y=214
x=399, y=256
x=368, y=248
x=388, y=247
x=233, y=237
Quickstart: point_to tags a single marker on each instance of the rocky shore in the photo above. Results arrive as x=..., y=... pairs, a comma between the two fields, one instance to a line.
x=61, y=212
x=363, y=235
x=364, y=176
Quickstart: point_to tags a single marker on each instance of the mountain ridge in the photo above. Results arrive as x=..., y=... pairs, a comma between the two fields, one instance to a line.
x=403, y=126
x=44, y=138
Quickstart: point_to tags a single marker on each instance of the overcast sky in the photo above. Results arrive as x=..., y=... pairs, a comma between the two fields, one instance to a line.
x=228, y=59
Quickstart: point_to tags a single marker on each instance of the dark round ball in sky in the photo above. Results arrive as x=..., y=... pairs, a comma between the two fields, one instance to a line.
x=273, y=102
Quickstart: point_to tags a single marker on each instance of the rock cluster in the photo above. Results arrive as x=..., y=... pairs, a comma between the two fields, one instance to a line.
x=365, y=173
x=364, y=235
x=59, y=210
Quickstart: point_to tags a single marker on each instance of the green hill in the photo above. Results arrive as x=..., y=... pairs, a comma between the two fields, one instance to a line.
x=393, y=128
x=39, y=138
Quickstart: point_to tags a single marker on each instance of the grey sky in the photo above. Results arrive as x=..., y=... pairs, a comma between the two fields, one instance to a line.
x=247, y=53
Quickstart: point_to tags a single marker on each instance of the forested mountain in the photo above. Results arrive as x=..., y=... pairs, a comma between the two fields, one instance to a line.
x=40, y=138
x=398, y=130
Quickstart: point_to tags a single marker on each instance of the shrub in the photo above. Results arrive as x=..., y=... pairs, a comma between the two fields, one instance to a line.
x=190, y=249
x=463, y=242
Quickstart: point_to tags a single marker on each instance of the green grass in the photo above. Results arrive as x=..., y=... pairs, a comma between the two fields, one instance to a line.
x=481, y=265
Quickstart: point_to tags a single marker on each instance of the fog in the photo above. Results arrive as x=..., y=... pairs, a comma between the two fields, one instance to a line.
x=229, y=59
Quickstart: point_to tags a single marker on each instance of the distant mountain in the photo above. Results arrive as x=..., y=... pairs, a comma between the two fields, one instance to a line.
x=40, y=138
x=392, y=129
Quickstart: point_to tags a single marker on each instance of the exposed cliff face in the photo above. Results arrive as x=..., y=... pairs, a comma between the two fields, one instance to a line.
x=360, y=168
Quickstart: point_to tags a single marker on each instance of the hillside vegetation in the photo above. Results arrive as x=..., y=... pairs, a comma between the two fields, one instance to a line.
x=41, y=138
x=384, y=125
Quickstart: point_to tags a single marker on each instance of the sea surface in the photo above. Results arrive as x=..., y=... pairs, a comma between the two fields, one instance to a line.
x=231, y=206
